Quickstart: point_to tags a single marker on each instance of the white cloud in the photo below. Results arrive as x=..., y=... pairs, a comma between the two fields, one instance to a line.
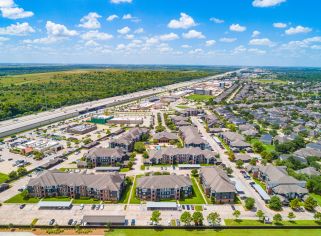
x=210, y=42
x=255, y=33
x=168, y=37
x=152, y=40
x=90, y=21
x=91, y=43
x=124, y=30
x=316, y=39
x=298, y=30
x=2, y=39
x=237, y=28
x=59, y=30
x=139, y=31
x=279, y=25
x=186, y=46
x=120, y=1
x=11, y=10
x=267, y=3
x=261, y=42
x=196, y=51
x=193, y=34
x=305, y=43
x=121, y=46
x=184, y=22
x=316, y=47
x=96, y=35
x=112, y=17
x=45, y=40
x=130, y=17
x=228, y=40
x=216, y=20
x=257, y=51
x=18, y=29
x=129, y=36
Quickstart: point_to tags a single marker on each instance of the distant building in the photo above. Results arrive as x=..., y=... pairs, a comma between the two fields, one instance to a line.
x=105, y=156
x=81, y=128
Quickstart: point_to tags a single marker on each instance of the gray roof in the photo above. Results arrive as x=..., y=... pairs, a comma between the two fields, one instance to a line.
x=191, y=135
x=308, y=171
x=290, y=188
x=164, y=181
x=110, y=181
x=116, y=219
x=242, y=156
x=105, y=152
x=166, y=135
x=217, y=179
x=128, y=137
x=233, y=136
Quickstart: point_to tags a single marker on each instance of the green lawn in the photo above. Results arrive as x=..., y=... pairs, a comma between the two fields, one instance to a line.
x=86, y=201
x=260, y=183
x=232, y=222
x=3, y=178
x=317, y=197
x=124, y=169
x=126, y=193
x=267, y=147
x=57, y=199
x=197, y=195
x=22, y=198
x=208, y=232
x=134, y=199
x=199, y=97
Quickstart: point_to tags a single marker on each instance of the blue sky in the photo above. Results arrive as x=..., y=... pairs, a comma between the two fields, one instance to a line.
x=209, y=32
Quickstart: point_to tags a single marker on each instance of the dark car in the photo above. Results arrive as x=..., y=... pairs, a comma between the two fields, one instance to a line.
x=126, y=222
x=93, y=206
x=233, y=207
x=22, y=206
x=192, y=207
x=133, y=222
x=183, y=207
x=187, y=207
x=70, y=222
x=52, y=221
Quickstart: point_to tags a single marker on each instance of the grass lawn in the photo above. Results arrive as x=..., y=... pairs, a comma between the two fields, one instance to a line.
x=22, y=198
x=199, y=97
x=197, y=195
x=57, y=199
x=267, y=147
x=198, y=208
x=124, y=169
x=126, y=193
x=3, y=178
x=86, y=201
x=316, y=197
x=134, y=199
x=232, y=222
x=260, y=183
x=209, y=232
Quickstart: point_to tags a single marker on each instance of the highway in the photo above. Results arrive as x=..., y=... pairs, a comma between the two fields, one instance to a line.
x=24, y=123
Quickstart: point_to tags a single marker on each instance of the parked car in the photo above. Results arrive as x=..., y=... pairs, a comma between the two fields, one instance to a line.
x=74, y=222
x=22, y=206
x=97, y=207
x=133, y=222
x=52, y=221
x=126, y=222
x=178, y=223
x=82, y=206
x=183, y=207
x=192, y=207
x=187, y=207
x=233, y=207
x=70, y=221
x=93, y=206
x=102, y=207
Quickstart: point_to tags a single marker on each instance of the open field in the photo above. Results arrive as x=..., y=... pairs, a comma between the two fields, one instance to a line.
x=199, y=97
x=29, y=93
x=197, y=196
x=232, y=222
x=3, y=177
x=247, y=232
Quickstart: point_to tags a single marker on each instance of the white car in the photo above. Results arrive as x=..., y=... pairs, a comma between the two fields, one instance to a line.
x=82, y=206
x=101, y=207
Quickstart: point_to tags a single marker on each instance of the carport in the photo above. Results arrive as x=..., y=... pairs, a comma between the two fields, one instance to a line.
x=55, y=204
x=161, y=206
x=99, y=220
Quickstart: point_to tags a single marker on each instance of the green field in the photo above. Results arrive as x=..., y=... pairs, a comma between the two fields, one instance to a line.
x=134, y=199
x=197, y=196
x=199, y=97
x=317, y=197
x=29, y=93
x=3, y=178
x=238, y=232
x=232, y=222
x=267, y=147
x=22, y=198
x=126, y=193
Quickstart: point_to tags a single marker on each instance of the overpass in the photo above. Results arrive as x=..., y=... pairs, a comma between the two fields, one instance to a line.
x=16, y=125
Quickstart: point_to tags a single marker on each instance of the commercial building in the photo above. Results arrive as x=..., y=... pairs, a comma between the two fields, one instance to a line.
x=172, y=155
x=126, y=120
x=158, y=187
x=81, y=128
x=217, y=185
x=100, y=119
x=105, y=187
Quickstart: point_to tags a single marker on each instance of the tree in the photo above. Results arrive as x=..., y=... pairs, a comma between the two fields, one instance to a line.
x=229, y=170
x=239, y=164
x=186, y=218
x=277, y=218
x=22, y=171
x=317, y=216
x=156, y=216
x=139, y=147
x=310, y=204
x=145, y=154
x=260, y=214
x=13, y=174
x=295, y=204
x=249, y=203
x=253, y=162
x=291, y=216
x=130, y=164
x=214, y=218
x=194, y=173
x=275, y=203
x=258, y=147
x=198, y=218
x=236, y=214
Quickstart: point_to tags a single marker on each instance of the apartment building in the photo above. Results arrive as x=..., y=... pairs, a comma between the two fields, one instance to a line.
x=105, y=156
x=192, y=138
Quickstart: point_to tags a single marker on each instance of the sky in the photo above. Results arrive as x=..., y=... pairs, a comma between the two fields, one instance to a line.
x=196, y=32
